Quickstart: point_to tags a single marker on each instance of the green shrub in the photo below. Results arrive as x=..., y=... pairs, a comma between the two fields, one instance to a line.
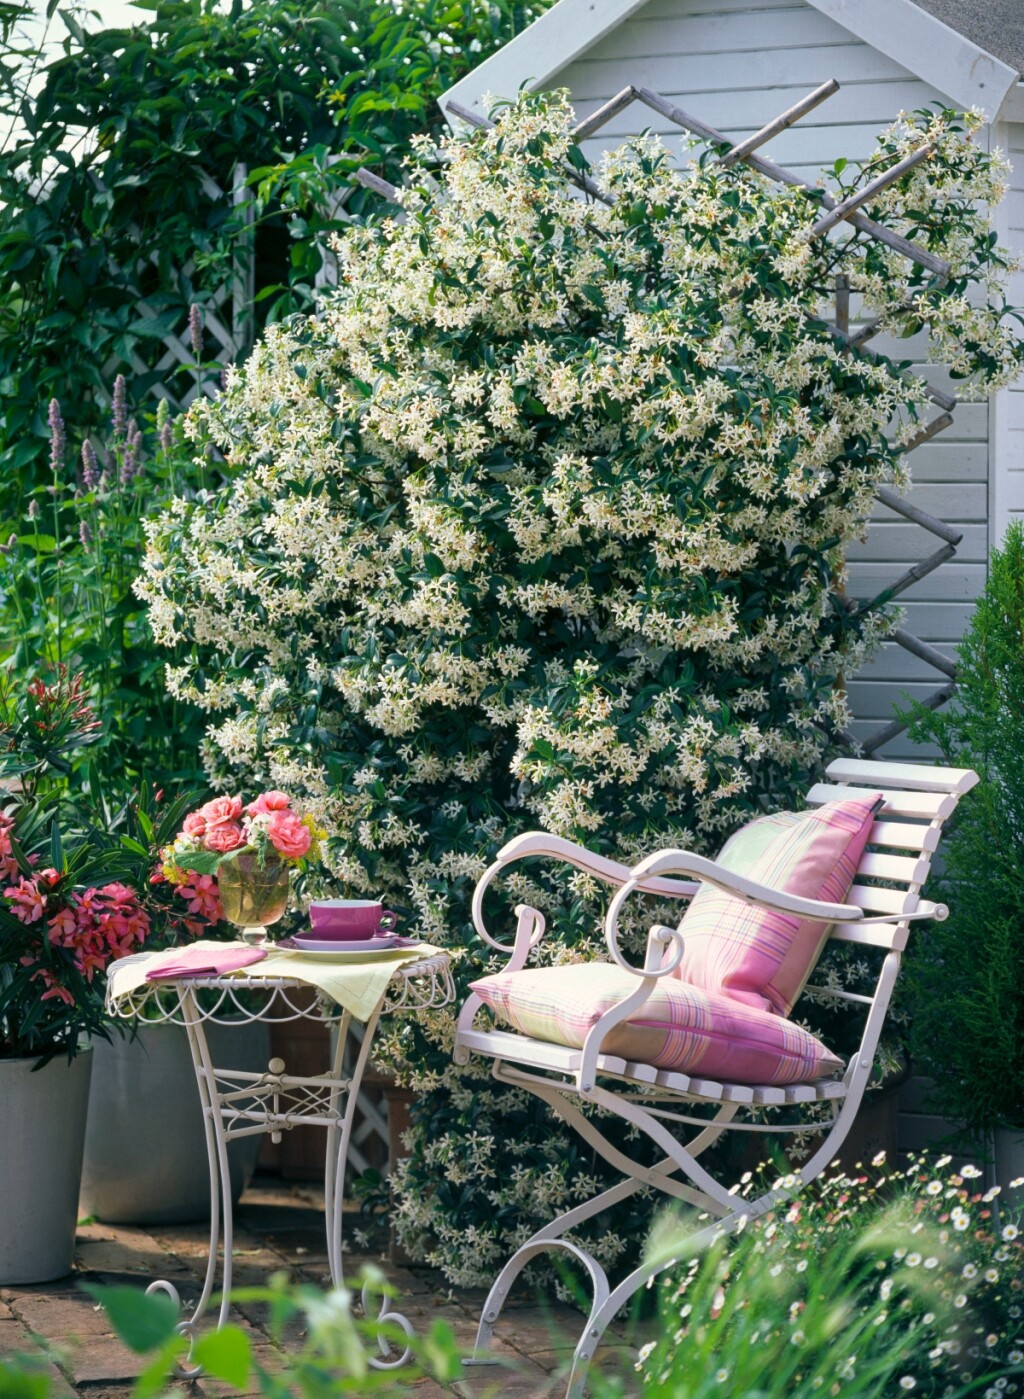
x=67, y=571
x=906, y=1284
x=967, y=974
x=540, y=523
x=105, y=170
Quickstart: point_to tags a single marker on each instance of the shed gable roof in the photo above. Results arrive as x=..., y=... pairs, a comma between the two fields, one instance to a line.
x=915, y=35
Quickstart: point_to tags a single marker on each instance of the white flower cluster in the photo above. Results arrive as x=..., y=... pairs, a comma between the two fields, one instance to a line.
x=542, y=519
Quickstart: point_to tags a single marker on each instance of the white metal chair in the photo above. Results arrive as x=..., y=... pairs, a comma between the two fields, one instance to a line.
x=917, y=800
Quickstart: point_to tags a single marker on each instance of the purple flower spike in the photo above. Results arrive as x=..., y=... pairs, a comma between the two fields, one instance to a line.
x=85, y=533
x=33, y=510
x=166, y=439
x=195, y=330
x=130, y=459
x=57, y=437
x=90, y=467
x=118, y=408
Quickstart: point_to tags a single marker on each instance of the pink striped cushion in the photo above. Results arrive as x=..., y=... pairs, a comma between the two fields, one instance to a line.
x=679, y=1027
x=752, y=954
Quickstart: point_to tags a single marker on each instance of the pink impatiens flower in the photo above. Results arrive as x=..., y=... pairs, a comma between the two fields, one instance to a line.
x=203, y=897
x=289, y=837
x=27, y=900
x=267, y=802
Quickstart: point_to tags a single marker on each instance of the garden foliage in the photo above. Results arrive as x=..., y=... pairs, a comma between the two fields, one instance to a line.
x=542, y=522
x=66, y=597
x=882, y=1284
x=967, y=975
x=106, y=167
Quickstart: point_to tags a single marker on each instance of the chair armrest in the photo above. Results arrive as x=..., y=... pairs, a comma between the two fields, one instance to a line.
x=740, y=887
x=706, y=871
x=540, y=843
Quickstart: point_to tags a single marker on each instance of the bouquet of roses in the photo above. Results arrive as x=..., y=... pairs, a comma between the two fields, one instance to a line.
x=224, y=829
x=233, y=860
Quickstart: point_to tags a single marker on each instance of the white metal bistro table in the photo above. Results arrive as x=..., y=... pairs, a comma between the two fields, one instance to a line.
x=240, y=1104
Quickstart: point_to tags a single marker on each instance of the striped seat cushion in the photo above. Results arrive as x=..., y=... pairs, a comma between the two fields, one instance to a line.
x=752, y=954
x=679, y=1027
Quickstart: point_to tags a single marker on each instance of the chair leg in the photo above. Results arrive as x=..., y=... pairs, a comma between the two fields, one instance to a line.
x=515, y=1265
x=601, y=1316
x=550, y=1236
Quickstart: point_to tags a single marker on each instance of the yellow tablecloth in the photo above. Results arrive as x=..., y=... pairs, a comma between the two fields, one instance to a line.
x=357, y=986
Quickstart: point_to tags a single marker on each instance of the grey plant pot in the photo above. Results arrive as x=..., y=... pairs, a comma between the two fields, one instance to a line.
x=145, y=1145
x=1009, y=1157
x=43, y=1117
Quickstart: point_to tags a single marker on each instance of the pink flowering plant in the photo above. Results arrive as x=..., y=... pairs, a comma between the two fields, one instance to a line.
x=226, y=828
x=76, y=871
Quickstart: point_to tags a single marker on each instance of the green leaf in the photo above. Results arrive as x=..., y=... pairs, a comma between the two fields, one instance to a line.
x=41, y=543
x=201, y=861
x=18, y=1383
x=225, y=1354
x=56, y=847
x=142, y=1320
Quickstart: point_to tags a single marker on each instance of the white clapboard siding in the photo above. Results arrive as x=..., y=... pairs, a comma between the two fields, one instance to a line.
x=1008, y=407
x=736, y=64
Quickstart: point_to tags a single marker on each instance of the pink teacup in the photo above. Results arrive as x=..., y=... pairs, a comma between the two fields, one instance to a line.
x=350, y=920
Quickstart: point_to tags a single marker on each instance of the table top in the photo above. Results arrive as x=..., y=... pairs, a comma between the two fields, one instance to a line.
x=236, y=997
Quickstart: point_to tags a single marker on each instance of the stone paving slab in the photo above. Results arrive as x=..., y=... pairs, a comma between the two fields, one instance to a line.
x=278, y=1228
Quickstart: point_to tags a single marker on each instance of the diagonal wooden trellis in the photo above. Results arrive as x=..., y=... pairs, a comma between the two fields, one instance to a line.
x=835, y=212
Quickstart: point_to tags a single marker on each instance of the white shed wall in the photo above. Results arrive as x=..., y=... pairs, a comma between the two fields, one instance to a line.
x=1007, y=423
x=737, y=64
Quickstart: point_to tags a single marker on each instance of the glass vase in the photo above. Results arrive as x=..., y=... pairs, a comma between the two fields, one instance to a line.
x=253, y=897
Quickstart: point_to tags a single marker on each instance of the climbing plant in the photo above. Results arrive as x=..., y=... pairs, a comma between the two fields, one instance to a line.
x=542, y=521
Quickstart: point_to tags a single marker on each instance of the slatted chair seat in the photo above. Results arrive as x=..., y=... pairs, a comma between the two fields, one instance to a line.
x=511, y=1048
x=883, y=901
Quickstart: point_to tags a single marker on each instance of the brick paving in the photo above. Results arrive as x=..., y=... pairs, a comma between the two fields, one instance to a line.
x=277, y=1227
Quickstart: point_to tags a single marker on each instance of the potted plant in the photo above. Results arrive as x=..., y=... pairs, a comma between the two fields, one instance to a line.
x=967, y=975
x=65, y=914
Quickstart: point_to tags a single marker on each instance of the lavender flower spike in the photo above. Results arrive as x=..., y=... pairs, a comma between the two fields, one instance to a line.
x=130, y=459
x=57, y=437
x=118, y=408
x=33, y=509
x=90, y=467
x=195, y=330
x=85, y=533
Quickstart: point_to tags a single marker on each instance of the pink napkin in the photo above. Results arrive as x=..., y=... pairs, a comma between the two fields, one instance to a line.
x=205, y=961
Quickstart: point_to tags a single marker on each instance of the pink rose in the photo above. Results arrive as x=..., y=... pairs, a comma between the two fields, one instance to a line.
x=194, y=825
x=222, y=811
x=225, y=836
x=267, y=802
x=289, y=837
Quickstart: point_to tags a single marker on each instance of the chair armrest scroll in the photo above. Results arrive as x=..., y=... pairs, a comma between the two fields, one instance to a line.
x=540, y=843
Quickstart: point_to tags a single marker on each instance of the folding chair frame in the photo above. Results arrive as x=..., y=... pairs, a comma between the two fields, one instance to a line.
x=917, y=800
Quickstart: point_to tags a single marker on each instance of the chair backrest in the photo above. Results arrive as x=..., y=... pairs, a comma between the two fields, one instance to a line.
x=919, y=799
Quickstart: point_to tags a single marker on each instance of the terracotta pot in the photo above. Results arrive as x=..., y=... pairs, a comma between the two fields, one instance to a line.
x=43, y=1115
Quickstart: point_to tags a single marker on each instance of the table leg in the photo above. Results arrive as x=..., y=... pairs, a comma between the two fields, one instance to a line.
x=334, y=1183
x=220, y=1185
